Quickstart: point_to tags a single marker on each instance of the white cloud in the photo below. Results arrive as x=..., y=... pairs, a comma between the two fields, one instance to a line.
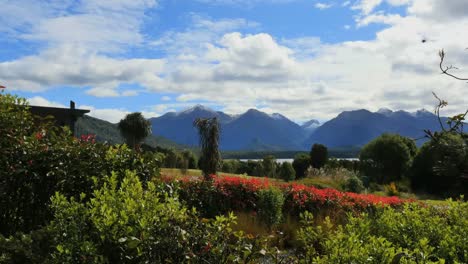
x=302, y=78
x=41, y=101
x=246, y=3
x=101, y=25
x=109, y=114
x=323, y=6
x=74, y=66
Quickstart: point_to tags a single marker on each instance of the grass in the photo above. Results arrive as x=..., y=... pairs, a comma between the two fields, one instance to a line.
x=178, y=173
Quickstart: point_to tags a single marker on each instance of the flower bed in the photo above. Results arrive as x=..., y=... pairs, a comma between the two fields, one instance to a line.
x=230, y=193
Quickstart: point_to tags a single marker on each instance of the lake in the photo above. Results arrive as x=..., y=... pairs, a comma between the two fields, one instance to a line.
x=290, y=160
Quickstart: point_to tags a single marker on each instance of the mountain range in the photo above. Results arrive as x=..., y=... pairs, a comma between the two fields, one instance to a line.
x=258, y=131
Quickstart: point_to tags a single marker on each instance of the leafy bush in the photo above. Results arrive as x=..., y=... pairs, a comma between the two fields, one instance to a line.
x=131, y=224
x=354, y=184
x=270, y=206
x=300, y=163
x=318, y=156
x=439, y=167
x=38, y=160
x=414, y=234
x=391, y=189
x=287, y=172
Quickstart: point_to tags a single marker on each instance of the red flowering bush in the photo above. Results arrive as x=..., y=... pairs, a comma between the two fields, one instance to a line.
x=228, y=193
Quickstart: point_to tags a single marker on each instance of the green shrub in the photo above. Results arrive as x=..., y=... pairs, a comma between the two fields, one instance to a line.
x=414, y=234
x=287, y=172
x=301, y=163
x=354, y=184
x=38, y=160
x=440, y=166
x=270, y=206
x=318, y=156
x=131, y=224
x=391, y=189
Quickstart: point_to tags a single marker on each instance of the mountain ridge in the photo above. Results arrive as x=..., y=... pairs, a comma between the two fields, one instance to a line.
x=257, y=130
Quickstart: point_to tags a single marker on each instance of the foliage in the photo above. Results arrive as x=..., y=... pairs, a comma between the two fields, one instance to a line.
x=231, y=193
x=34, y=247
x=134, y=128
x=231, y=166
x=39, y=159
x=440, y=165
x=328, y=177
x=269, y=166
x=131, y=224
x=318, y=156
x=391, y=189
x=287, y=172
x=109, y=132
x=210, y=159
x=351, y=165
x=413, y=234
x=270, y=206
x=387, y=158
x=354, y=184
x=301, y=163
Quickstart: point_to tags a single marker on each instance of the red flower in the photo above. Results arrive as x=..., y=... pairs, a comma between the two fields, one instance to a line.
x=206, y=248
x=39, y=135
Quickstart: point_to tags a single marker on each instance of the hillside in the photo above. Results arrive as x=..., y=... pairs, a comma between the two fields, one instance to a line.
x=108, y=132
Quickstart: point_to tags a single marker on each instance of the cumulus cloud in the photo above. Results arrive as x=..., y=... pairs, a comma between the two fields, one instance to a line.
x=75, y=66
x=214, y=62
x=41, y=101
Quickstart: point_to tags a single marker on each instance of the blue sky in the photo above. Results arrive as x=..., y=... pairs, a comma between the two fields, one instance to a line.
x=303, y=58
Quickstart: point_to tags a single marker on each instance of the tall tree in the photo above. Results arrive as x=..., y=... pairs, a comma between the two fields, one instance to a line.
x=287, y=172
x=387, y=158
x=210, y=158
x=318, y=156
x=134, y=128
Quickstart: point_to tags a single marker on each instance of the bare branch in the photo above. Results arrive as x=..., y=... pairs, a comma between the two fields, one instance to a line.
x=445, y=69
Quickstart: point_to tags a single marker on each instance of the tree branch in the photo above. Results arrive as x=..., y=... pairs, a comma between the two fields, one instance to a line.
x=445, y=69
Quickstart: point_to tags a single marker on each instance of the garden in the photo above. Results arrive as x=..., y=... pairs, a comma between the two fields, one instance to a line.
x=75, y=200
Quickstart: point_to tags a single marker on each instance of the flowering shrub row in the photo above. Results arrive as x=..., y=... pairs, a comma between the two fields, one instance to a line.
x=228, y=193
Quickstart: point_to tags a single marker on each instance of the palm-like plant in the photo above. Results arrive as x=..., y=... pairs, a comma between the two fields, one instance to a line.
x=134, y=128
x=210, y=158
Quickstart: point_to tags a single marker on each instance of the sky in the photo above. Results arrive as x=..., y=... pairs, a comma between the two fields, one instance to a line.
x=305, y=59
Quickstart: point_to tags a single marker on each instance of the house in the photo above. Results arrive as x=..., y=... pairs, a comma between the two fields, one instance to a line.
x=62, y=116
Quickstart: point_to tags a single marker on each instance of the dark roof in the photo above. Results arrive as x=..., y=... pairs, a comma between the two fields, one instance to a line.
x=56, y=111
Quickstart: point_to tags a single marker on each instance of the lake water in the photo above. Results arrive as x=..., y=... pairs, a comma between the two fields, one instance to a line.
x=290, y=160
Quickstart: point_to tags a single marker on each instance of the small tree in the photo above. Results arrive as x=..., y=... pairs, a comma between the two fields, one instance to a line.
x=387, y=158
x=191, y=159
x=439, y=166
x=300, y=164
x=269, y=166
x=134, y=128
x=287, y=172
x=318, y=156
x=210, y=158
